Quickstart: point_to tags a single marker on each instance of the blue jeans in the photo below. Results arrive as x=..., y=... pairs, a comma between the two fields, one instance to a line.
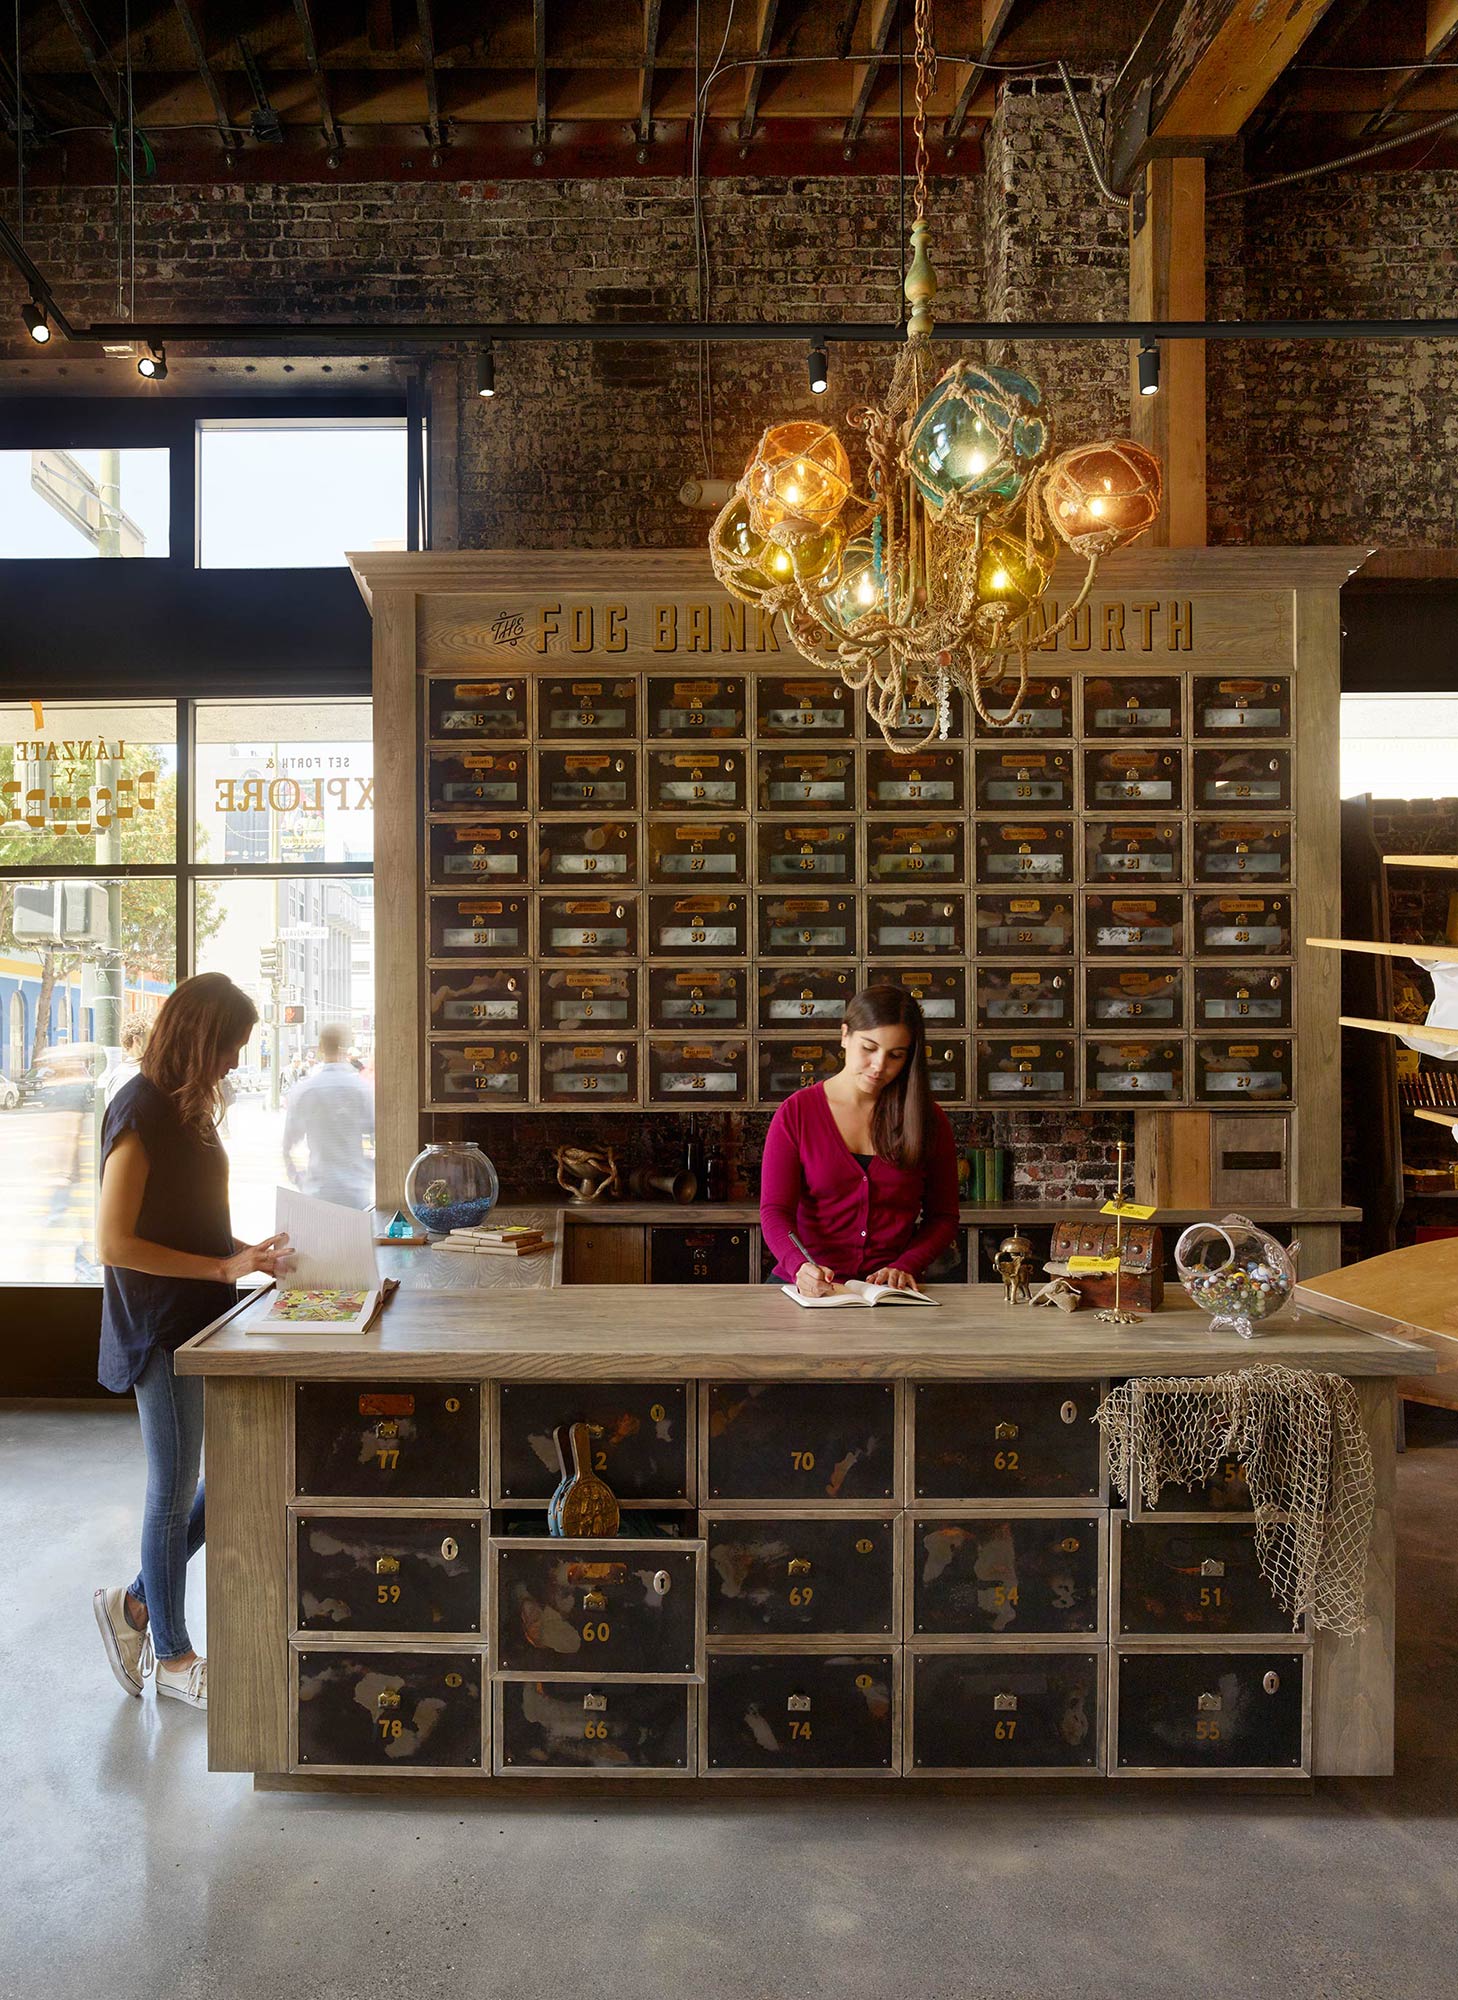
x=171, y=1409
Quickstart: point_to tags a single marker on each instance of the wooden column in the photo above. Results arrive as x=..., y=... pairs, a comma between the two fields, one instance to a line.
x=245, y=1442
x=397, y=918
x=1167, y=281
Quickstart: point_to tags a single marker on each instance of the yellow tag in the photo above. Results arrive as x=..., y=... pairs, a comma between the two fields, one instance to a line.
x=1087, y=1267
x=1135, y=1208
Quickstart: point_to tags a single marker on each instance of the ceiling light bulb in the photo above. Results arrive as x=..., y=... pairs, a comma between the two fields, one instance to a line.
x=1096, y=505
x=792, y=493
x=866, y=588
x=485, y=372
x=36, y=322
x=978, y=463
x=819, y=368
x=153, y=365
x=1000, y=579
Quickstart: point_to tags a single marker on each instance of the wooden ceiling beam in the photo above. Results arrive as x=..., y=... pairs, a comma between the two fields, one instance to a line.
x=764, y=34
x=539, y=64
x=93, y=56
x=883, y=20
x=228, y=132
x=1439, y=39
x=333, y=137
x=652, y=9
x=995, y=15
x=434, y=130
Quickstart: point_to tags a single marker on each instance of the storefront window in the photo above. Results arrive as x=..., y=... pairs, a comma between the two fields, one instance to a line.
x=299, y=494
x=85, y=783
x=79, y=502
x=1399, y=746
x=284, y=781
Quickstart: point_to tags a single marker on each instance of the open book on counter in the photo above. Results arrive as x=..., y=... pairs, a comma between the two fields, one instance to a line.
x=334, y=1285
x=859, y=1292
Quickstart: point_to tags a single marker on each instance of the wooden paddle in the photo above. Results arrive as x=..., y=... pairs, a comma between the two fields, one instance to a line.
x=582, y=1504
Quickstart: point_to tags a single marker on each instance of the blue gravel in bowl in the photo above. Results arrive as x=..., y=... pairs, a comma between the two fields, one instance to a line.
x=440, y=1218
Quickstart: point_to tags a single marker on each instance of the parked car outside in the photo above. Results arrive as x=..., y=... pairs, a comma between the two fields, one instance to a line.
x=9, y=1093
x=67, y=1074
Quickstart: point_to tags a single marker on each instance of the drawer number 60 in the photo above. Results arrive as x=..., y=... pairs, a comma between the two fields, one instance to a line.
x=602, y=1630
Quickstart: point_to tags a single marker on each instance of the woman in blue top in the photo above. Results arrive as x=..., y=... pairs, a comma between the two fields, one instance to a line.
x=172, y=1264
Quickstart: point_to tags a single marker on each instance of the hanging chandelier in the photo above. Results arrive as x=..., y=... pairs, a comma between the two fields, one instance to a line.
x=918, y=577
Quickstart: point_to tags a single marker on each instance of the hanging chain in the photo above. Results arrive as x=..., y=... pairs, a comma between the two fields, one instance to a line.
x=926, y=83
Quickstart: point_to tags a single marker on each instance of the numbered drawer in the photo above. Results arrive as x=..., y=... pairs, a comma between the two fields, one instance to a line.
x=1153, y=1071
x=1249, y=780
x=1024, y=851
x=495, y=852
x=1008, y=997
x=1148, y=850
x=493, y=1073
x=698, y=998
x=924, y=780
x=1234, y=1711
x=950, y=1266
x=579, y=851
x=698, y=1072
x=487, y=710
x=588, y=926
x=1226, y=926
x=1133, y=926
x=784, y=1064
x=1181, y=1579
x=994, y=1709
x=391, y=1442
x=813, y=998
x=1129, y=776
x=786, y=706
x=1025, y=926
x=591, y=781
x=467, y=780
x=1132, y=705
x=806, y=1441
x=1233, y=707
x=946, y=1068
x=791, y=780
x=594, y=997
x=1244, y=1072
x=1047, y=708
x=603, y=1073
x=698, y=850
x=801, y=1712
x=806, y=926
x=1027, y=775
x=613, y=1606
x=939, y=990
x=680, y=926
x=1007, y=1441
x=1039, y=1072
x=923, y=713
x=616, y=1728
x=479, y=927
x=1144, y=995
x=639, y=1433
x=1242, y=996
x=709, y=781
x=1242, y=850
x=479, y=999
x=696, y=708
x=1224, y=1492
x=935, y=925
x=916, y=852
x=371, y=1573
x=580, y=709
x=800, y=852
x=1010, y=1575
x=389, y=1711
x=678, y=1255
x=806, y=1574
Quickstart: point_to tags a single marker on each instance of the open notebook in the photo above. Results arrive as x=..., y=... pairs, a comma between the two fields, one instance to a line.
x=859, y=1292
x=334, y=1285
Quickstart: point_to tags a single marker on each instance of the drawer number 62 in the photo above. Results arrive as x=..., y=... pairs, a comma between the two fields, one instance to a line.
x=1006, y=1461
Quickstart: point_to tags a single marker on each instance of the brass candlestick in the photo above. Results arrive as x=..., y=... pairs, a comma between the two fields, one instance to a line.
x=1115, y=1314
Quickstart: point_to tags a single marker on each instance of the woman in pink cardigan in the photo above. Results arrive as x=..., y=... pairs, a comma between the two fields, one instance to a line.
x=863, y=1168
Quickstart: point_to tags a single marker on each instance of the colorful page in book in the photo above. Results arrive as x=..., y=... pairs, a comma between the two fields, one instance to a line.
x=320, y=1305
x=334, y=1279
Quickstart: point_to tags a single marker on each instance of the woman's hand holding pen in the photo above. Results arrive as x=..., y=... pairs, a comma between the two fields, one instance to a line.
x=815, y=1281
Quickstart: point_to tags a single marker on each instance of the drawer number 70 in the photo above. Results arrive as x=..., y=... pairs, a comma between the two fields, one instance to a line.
x=803, y=1461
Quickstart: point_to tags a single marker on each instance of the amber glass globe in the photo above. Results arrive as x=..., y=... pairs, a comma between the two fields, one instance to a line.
x=799, y=472
x=743, y=560
x=1010, y=579
x=1103, y=496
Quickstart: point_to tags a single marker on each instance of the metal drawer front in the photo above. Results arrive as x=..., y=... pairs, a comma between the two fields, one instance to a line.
x=1047, y=709
x=595, y=1607
x=691, y=707
x=797, y=1712
x=395, y=1440
x=1006, y=1440
x=639, y=1441
x=495, y=853
x=494, y=1001
x=1210, y=1711
x=472, y=779
x=1226, y=708
x=478, y=926
x=1181, y=1578
x=787, y=1576
x=390, y=1711
x=802, y=1441
x=987, y=1575
x=995, y=1711
x=478, y=709
x=1225, y=1493
x=590, y=781
x=585, y=710
x=572, y=1726
x=377, y=1574
x=679, y=1254
x=1132, y=705
x=1024, y=777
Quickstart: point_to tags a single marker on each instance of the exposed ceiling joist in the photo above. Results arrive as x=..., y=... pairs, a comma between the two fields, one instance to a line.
x=539, y=60
x=651, y=11
x=883, y=20
x=192, y=29
x=97, y=61
x=333, y=137
x=1439, y=40
x=764, y=34
x=434, y=131
x=994, y=19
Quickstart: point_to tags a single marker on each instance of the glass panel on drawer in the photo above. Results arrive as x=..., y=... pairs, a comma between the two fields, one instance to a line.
x=1242, y=1072
x=936, y=925
x=457, y=779
x=987, y=1575
x=921, y=714
x=603, y=1073
x=939, y=990
x=593, y=780
x=370, y=1573
x=1130, y=776
x=1181, y=1578
x=710, y=781
x=1145, y=995
x=478, y=926
x=1227, y=926
x=801, y=1441
x=1006, y=1440
x=391, y=1441
x=1242, y=996
x=784, y=1576
x=493, y=1073
x=484, y=709
x=1011, y=1072
x=813, y=707
x=1247, y=779
x=1131, y=705
x=588, y=851
x=1007, y=997
x=697, y=850
x=925, y=780
x=1154, y=1071
x=1127, y=850
x=1224, y=1492
x=914, y=853
x=571, y=1725
x=639, y=1436
x=1028, y=774
x=1210, y=1711
x=1235, y=706
x=1025, y=926
x=492, y=852
x=583, y=707
x=946, y=1068
x=1133, y=926
x=1047, y=708
x=798, y=1712
x=784, y=1064
x=680, y=705
x=704, y=1073
x=470, y=999
x=813, y=997
x=679, y=1254
x=790, y=780
x=394, y=1711
x=949, y=1266
x=1242, y=850
x=795, y=852
x=698, y=925
x=595, y=1607
x=588, y=927
x=698, y=997
x=593, y=997
x=808, y=926
x=1032, y=851
x=1001, y=1710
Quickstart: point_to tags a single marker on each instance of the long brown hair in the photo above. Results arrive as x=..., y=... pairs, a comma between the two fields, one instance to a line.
x=200, y=1022
x=902, y=1117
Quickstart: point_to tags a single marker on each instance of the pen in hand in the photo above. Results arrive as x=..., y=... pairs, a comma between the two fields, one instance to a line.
x=824, y=1269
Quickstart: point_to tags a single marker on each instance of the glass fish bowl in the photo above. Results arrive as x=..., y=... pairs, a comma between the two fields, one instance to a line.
x=451, y=1185
x=1236, y=1273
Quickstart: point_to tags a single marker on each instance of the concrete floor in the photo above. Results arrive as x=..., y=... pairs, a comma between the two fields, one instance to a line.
x=129, y=1871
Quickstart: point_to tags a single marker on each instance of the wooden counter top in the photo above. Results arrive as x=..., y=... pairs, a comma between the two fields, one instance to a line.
x=752, y=1332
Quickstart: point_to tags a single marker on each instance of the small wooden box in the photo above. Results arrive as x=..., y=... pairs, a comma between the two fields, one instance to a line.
x=1141, y=1262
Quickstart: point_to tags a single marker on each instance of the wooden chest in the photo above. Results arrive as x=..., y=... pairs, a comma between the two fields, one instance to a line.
x=1141, y=1264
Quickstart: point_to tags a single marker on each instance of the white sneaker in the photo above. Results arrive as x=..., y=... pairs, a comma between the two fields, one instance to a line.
x=189, y=1683
x=126, y=1648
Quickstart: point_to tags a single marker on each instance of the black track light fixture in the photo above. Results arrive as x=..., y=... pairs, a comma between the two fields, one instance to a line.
x=485, y=371
x=153, y=365
x=819, y=366
x=1148, y=366
x=37, y=325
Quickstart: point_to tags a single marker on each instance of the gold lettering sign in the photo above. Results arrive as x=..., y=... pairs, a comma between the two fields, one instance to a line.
x=72, y=800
